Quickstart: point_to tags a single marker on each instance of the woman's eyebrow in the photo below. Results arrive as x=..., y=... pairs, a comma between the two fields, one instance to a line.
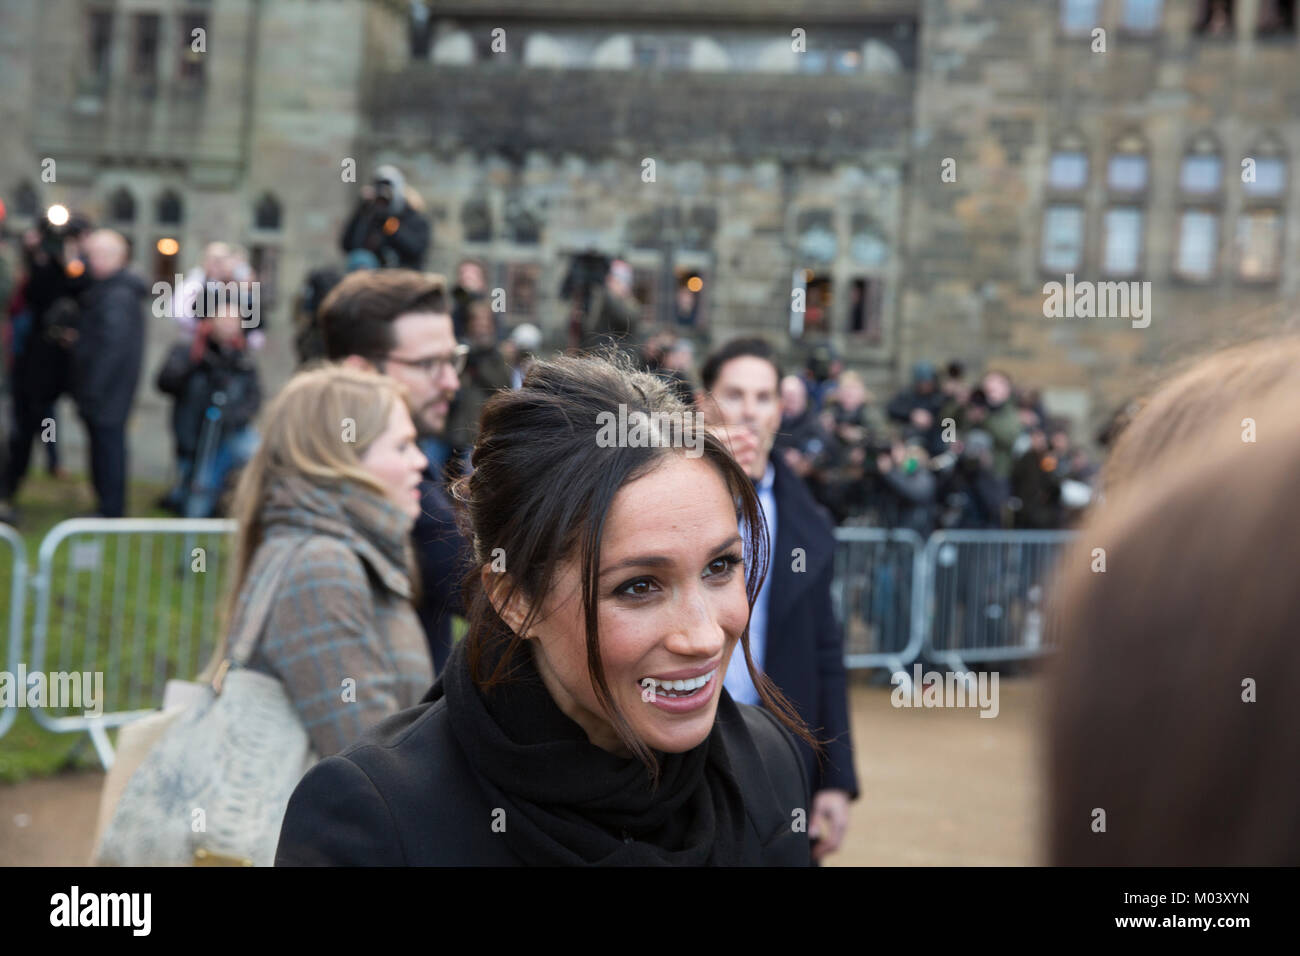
x=659, y=560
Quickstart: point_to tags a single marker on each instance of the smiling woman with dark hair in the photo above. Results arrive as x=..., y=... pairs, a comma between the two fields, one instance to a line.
x=582, y=720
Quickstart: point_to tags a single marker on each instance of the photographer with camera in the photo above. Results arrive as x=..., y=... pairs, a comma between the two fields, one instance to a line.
x=45, y=330
x=217, y=393
x=388, y=229
x=614, y=313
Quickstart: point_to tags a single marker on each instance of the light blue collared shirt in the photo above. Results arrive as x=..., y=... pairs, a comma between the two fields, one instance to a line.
x=738, y=682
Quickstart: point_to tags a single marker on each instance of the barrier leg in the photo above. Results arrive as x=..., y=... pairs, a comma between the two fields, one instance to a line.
x=103, y=746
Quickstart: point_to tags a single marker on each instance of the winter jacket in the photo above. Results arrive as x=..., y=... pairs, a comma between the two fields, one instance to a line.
x=902, y=405
x=406, y=247
x=109, y=350
x=908, y=501
x=221, y=377
x=341, y=634
x=1003, y=423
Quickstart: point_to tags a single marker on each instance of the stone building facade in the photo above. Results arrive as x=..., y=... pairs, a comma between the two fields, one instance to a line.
x=900, y=178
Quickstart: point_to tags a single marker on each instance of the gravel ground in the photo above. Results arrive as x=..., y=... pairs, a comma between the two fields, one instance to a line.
x=939, y=787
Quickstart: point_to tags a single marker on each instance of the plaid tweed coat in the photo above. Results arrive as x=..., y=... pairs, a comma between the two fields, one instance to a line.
x=341, y=633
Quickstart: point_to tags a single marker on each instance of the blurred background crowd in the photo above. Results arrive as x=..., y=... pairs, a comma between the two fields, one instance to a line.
x=954, y=448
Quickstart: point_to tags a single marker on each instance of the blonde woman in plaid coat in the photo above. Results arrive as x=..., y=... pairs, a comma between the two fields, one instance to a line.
x=333, y=489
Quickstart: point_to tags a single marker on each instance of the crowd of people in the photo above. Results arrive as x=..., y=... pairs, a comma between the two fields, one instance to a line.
x=945, y=452
x=76, y=326
x=942, y=453
x=429, y=462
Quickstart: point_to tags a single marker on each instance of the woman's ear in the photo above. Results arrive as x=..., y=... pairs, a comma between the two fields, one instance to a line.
x=511, y=606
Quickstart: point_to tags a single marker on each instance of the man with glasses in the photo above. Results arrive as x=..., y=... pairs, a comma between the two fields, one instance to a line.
x=398, y=322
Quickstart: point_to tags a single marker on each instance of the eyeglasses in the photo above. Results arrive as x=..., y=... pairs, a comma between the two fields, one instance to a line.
x=435, y=364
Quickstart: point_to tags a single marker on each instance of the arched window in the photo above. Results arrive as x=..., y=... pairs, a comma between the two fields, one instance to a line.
x=1080, y=16
x=1062, y=241
x=816, y=236
x=1198, y=244
x=1215, y=18
x=266, y=214
x=523, y=224
x=1123, y=252
x=121, y=206
x=1276, y=18
x=476, y=219
x=1141, y=16
x=1067, y=170
x=1201, y=173
x=1259, y=225
x=1127, y=170
x=170, y=209
x=1264, y=168
x=868, y=247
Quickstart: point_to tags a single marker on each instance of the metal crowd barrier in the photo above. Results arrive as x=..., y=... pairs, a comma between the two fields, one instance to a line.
x=984, y=595
x=11, y=543
x=878, y=597
x=137, y=599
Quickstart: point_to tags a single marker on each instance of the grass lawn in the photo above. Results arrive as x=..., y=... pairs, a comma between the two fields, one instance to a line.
x=111, y=600
x=137, y=608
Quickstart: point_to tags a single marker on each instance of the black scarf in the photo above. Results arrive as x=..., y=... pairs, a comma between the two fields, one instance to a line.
x=568, y=802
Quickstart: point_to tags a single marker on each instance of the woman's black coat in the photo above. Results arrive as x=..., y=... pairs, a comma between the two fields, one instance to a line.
x=405, y=796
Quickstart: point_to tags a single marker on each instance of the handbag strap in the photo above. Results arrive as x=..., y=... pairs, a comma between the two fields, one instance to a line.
x=242, y=645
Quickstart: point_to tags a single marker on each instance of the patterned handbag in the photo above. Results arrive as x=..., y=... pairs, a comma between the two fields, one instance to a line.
x=214, y=787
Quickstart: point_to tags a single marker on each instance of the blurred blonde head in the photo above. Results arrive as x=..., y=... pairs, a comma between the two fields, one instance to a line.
x=1208, y=399
x=317, y=428
x=1152, y=713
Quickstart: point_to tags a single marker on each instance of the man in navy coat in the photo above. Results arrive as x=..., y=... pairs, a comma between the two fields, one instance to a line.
x=794, y=636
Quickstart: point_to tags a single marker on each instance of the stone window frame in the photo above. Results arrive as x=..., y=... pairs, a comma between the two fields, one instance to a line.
x=872, y=334
x=1200, y=145
x=1266, y=279
x=493, y=234
x=1266, y=145
x=510, y=269
x=1067, y=142
x=1065, y=31
x=1140, y=263
x=269, y=280
x=683, y=267
x=1128, y=30
x=166, y=193
x=140, y=20
x=191, y=74
x=111, y=207
x=1266, y=33
x=1127, y=144
x=1187, y=278
x=92, y=80
x=875, y=277
x=1052, y=269
x=1201, y=18
x=266, y=200
x=262, y=240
